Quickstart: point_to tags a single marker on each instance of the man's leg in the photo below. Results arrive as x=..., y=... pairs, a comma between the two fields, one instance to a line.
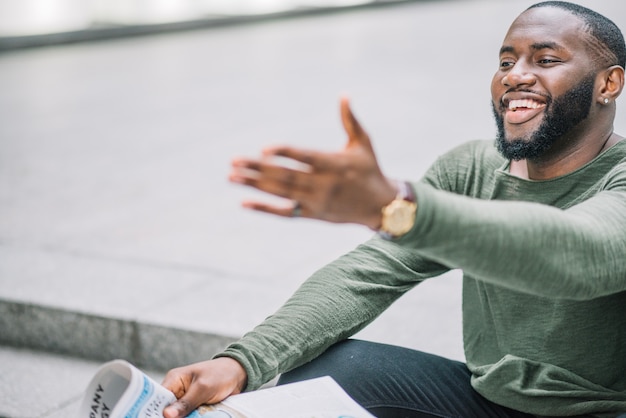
x=392, y=381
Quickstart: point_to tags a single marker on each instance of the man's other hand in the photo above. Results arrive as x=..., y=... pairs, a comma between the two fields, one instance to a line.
x=207, y=382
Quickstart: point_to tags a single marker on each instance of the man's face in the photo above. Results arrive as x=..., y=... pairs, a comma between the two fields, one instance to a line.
x=544, y=86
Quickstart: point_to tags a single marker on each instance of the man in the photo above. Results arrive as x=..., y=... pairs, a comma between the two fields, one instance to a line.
x=538, y=227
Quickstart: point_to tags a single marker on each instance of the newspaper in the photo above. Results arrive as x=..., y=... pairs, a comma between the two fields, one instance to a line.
x=120, y=390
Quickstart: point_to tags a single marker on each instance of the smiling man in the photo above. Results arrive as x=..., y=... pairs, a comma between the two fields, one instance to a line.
x=544, y=90
x=537, y=223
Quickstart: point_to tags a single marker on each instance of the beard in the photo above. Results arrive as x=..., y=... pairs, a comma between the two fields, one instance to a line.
x=561, y=116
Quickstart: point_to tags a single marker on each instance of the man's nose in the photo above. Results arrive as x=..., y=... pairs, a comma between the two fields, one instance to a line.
x=519, y=75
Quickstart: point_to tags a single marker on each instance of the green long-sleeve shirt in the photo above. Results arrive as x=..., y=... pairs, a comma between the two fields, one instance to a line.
x=544, y=283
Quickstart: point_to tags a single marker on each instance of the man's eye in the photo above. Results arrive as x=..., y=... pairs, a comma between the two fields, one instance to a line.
x=506, y=64
x=545, y=61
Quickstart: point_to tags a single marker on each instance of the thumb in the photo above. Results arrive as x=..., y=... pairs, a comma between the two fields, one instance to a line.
x=356, y=134
x=179, y=409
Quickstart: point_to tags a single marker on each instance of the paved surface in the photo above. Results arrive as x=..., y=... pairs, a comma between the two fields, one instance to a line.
x=119, y=234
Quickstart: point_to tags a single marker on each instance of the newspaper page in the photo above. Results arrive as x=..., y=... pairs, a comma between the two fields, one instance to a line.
x=315, y=398
x=120, y=390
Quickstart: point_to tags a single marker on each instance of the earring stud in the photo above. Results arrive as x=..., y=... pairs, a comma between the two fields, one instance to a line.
x=606, y=101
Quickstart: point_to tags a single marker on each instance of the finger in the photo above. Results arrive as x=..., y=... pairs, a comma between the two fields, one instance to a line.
x=175, y=382
x=271, y=179
x=308, y=160
x=356, y=134
x=271, y=187
x=285, y=189
x=264, y=169
x=179, y=409
x=175, y=410
x=185, y=405
x=285, y=211
x=298, y=158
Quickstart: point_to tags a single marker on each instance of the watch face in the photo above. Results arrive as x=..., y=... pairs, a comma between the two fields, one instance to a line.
x=398, y=217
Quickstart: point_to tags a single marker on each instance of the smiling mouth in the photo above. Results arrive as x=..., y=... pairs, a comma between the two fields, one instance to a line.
x=514, y=105
x=522, y=110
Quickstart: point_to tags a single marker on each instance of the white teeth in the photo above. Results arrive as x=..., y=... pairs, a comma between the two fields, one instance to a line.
x=525, y=103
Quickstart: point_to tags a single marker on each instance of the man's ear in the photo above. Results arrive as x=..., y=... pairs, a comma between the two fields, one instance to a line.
x=611, y=83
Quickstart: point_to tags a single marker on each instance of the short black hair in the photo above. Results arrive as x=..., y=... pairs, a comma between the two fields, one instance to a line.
x=599, y=26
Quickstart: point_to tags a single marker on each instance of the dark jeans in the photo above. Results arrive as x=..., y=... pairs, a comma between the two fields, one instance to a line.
x=396, y=382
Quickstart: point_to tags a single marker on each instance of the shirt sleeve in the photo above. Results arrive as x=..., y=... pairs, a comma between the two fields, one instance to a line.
x=334, y=303
x=572, y=253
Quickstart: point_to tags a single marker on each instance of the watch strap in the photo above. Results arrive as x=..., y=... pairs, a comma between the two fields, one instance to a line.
x=405, y=191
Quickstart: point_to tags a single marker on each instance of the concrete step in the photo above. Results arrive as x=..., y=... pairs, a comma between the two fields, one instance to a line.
x=101, y=338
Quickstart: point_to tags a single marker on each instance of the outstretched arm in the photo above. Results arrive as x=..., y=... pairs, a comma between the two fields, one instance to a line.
x=345, y=186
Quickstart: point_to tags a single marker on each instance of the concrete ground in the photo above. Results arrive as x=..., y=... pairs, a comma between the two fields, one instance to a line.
x=120, y=236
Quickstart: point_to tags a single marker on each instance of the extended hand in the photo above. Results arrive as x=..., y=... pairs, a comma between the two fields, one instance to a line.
x=207, y=382
x=345, y=186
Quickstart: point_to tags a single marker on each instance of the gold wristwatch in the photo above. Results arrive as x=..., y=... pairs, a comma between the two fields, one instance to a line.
x=399, y=215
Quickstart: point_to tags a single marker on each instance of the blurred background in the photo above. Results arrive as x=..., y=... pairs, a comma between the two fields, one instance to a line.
x=119, y=233
x=22, y=22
